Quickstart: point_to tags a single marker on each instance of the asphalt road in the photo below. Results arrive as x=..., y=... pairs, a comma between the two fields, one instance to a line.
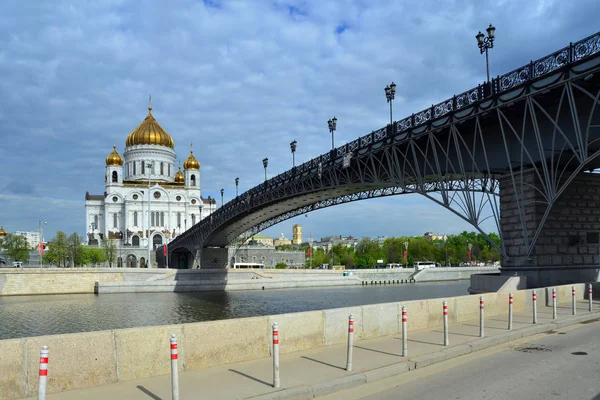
x=560, y=365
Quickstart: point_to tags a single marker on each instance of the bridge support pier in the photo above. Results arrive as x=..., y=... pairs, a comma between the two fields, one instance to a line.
x=214, y=258
x=567, y=249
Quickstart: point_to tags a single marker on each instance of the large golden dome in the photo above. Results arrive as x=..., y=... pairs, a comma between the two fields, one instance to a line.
x=179, y=178
x=149, y=132
x=114, y=158
x=3, y=232
x=191, y=162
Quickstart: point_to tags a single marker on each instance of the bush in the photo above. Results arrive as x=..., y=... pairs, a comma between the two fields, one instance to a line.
x=280, y=265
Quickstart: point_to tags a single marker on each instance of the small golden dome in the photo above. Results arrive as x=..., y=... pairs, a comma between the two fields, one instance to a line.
x=149, y=132
x=3, y=232
x=179, y=178
x=114, y=158
x=191, y=162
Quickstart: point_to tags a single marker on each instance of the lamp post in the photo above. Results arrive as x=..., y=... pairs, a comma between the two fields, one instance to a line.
x=237, y=181
x=149, y=167
x=222, y=192
x=332, y=125
x=310, y=243
x=41, y=243
x=390, y=95
x=210, y=205
x=406, y=252
x=265, y=164
x=485, y=43
x=293, y=148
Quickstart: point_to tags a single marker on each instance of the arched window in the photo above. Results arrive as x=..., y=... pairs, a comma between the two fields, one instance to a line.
x=134, y=169
x=169, y=168
x=193, y=219
x=156, y=240
x=162, y=171
x=143, y=262
x=135, y=241
x=131, y=261
x=115, y=176
x=119, y=262
x=135, y=221
x=193, y=180
x=162, y=219
x=179, y=220
x=114, y=220
x=96, y=222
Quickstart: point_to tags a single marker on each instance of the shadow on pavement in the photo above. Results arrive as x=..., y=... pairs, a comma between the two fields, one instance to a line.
x=420, y=341
x=251, y=377
x=377, y=351
x=323, y=362
x=149, y=393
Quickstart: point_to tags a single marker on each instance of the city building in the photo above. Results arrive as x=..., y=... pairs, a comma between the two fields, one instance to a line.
x=434, y=236
x=147, y=198
x=259, y=239
x=297, y=234
x=33, y=238
x=282, y=241
x=328, y=242
x=264, y=256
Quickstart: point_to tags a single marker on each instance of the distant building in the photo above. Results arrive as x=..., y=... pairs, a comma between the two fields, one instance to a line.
x=434, y=236
x=260, y=255
x=328, y=242
x=259, y=239
x=380, y=240
x=297, y=234
x=282, y=241
x=33, y=238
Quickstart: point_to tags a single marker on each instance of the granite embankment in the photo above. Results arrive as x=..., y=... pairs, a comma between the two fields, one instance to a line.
x=30, y=281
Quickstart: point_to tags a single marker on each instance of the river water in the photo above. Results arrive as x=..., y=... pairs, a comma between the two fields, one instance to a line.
x=23, y=316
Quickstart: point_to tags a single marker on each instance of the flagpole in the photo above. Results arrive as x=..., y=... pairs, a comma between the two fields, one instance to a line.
x=167, y=255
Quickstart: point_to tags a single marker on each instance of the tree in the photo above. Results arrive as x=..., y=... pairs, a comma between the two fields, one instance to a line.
x=110, y=251
x=75, y=249
x=16, y=247
x=58, y=251
x=94, y=256
x=280, y=265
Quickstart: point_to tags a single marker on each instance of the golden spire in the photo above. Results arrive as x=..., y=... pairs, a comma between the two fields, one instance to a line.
x=149, y=132
x=191, y=162
x=114, y=158
x=179, y=177
x=2, y=232
x=150, y=104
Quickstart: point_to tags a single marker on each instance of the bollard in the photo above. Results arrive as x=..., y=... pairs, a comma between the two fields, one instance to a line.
x=350, y=342
x=446, y=341
x=43, y=373
x=510, y=310
x=553, y=303
x=174, y=371
x=276, y=382
x=573, y=300
x=590, y=296
x=480, y=316
x=404, y=339
x=534, y=302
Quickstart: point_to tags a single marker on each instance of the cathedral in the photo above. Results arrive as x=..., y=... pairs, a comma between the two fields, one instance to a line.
x=147, y=199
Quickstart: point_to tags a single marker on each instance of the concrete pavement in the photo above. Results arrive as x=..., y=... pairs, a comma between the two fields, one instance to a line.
x=320, y=371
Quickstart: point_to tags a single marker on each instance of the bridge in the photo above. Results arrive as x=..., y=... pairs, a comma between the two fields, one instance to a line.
x=518, y=149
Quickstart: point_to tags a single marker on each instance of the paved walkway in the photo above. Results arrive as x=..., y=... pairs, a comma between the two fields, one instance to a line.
x=319, y=371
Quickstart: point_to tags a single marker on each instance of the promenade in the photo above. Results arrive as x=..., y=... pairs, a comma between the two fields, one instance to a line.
x=320, y=371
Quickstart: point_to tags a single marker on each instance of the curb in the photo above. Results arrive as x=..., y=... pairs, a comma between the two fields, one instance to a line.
x=306, y=392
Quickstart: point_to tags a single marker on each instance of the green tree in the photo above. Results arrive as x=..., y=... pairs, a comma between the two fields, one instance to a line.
x=280, y=265
x=96, y=256
x=59, y=249
x=75, y=249
x=110, y=251
x=16, y=247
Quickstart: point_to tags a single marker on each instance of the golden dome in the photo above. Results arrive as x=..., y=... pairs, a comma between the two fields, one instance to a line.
x=114, y=158
x=179, y=178
x=3, y=232
x=149, y=132
x=191, y=162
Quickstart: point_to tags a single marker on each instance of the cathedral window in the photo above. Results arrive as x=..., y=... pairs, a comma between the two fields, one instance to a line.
x=179, y=220
x=169, y=168
x=162, y=171
x=96, y=222
x=193, y=180
x=193, y=219
x=162, y=219
x=134, y=169
x=115, y=220
x=135, y=241
x=143, y=168
x=135, y=221
x=115, y=176
x=152, y=215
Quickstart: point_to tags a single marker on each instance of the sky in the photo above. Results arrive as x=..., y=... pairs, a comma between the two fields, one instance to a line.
x=241, y=80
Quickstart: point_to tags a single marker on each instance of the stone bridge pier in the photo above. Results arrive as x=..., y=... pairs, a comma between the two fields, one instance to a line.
x=214, y=258
x=567, y=249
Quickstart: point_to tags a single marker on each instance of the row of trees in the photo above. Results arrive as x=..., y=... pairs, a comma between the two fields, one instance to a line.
x=451, y=251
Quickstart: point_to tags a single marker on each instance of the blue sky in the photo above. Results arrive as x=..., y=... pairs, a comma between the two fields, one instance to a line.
x=241, y=80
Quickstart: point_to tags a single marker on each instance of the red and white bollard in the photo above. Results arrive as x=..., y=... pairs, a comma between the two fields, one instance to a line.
x=446, y=340
x=553, y=303
x=404, y=338
x=174, y=370
x=43, y=373
x=350, y=342
x=534, y=303
x=276, y=382
x=480, y=316
x=573, y=300
x=590, y=296
x=510, y=310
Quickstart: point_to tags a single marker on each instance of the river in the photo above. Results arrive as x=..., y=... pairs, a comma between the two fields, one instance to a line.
x=23, y=316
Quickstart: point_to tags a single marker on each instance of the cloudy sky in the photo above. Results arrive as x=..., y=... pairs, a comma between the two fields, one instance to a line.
x=241, y=80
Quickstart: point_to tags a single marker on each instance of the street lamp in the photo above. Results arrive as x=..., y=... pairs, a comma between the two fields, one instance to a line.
x=209, y=205
x=332, y=125
x=310, y=243
x=41, y=243
x=406, y=252
x=265, y=164
x=222, y=192
x=485, y=43
x=293, y=148
x=149, y=167
x=390, y=95
x=237, y=181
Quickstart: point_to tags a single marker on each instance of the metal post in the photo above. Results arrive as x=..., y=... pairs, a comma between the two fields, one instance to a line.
x=350, y=342
x=553, y=303
x=590, y=296
x=276, y=382
x=43, y=373
x=174, y=371
x=446, y=340
x=487, y=65
x=404, y=338
x=149, y=174
x=391, y=112
x=573, y=300
x=480, y=316
x=510, y=310
x=534, y=302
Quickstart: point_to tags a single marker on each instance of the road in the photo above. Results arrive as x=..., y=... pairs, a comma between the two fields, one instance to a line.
x=564, y=364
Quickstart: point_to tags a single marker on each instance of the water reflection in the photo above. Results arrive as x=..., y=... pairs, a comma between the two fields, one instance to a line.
x=22, y=316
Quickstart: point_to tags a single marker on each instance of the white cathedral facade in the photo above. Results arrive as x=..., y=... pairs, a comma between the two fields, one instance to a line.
x=145, y=178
